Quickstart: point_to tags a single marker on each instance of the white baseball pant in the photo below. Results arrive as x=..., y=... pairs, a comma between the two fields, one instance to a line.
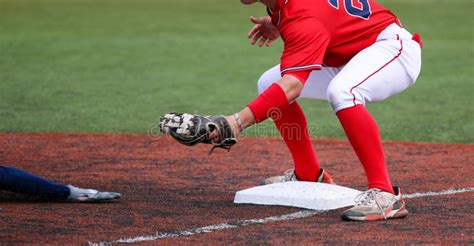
x=386, y=68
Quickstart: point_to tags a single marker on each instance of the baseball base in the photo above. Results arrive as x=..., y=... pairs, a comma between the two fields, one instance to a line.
x=310, y=195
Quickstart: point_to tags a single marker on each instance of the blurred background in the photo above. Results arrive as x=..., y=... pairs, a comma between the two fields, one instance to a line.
x=116, y=66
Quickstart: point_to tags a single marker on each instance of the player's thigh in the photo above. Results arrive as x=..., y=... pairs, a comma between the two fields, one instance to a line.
x=318, y=81
x=382, y=70
x=315, y=87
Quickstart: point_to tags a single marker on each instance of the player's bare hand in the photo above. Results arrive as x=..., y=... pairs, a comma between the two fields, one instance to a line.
x=263, y=32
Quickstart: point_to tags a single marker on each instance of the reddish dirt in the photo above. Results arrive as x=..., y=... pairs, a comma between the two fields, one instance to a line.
x=168, y=187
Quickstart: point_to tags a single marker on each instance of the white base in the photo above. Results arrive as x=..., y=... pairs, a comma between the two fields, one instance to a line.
x=310, y=195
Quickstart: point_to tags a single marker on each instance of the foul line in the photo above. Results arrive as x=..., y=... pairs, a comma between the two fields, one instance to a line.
x=439, y=193
x=242, y=223
x=211, y=228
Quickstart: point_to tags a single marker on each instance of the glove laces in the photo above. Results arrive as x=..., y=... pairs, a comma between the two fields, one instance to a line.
x=219, y=146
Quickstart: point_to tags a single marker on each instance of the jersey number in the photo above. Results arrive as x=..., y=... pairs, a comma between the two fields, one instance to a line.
x=363, y=12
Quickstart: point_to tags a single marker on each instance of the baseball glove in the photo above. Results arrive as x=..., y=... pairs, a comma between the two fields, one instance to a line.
x=191, y=129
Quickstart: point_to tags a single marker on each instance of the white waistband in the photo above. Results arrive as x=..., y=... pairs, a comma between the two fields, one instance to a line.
x=394, y=31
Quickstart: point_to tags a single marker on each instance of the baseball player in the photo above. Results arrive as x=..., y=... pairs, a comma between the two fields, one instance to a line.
x=346, y=52
x=19, y=181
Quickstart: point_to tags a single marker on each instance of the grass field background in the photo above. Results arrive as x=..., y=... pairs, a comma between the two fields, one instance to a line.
x=115, y=66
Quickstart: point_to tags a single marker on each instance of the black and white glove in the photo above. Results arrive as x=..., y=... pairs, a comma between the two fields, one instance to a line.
x=191, y=129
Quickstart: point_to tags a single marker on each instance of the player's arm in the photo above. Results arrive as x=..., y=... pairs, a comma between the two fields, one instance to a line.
x=291, y=85
x=305, y=43
x=19, y=181
x=263, y=32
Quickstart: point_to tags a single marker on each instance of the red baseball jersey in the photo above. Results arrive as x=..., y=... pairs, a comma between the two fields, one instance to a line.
x=326, y=32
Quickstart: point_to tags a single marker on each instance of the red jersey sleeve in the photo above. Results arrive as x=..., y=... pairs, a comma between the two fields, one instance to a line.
x=300, y=75
x=305, y=41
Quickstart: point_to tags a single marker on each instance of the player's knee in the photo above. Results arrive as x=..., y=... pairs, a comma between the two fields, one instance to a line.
x=340, y=97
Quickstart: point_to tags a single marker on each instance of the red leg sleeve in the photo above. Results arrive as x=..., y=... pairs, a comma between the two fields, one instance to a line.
x=363, y=134
x=293, y=128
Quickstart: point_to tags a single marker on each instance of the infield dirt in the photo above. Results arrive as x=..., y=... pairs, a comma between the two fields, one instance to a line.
x=168, y=187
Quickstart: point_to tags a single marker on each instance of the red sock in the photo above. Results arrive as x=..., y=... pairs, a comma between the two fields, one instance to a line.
x=269, y=104
x=363, y=134
x=294, y=130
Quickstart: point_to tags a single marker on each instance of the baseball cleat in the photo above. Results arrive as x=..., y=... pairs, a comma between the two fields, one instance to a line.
x=324, y=177
x=90, y=195
x=290, y=175
x=375, y=204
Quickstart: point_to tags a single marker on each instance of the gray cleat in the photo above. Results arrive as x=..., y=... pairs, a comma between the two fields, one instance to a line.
x=90, y=195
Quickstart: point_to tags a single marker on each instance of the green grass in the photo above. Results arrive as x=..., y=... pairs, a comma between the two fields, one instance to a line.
x=115, y=66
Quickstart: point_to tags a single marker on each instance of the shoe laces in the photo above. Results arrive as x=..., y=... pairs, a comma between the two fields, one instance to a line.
x=369, y=198
x=289, y=174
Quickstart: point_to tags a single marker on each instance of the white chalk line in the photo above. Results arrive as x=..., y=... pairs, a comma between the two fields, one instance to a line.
x=241, y=223
x=439, y=193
